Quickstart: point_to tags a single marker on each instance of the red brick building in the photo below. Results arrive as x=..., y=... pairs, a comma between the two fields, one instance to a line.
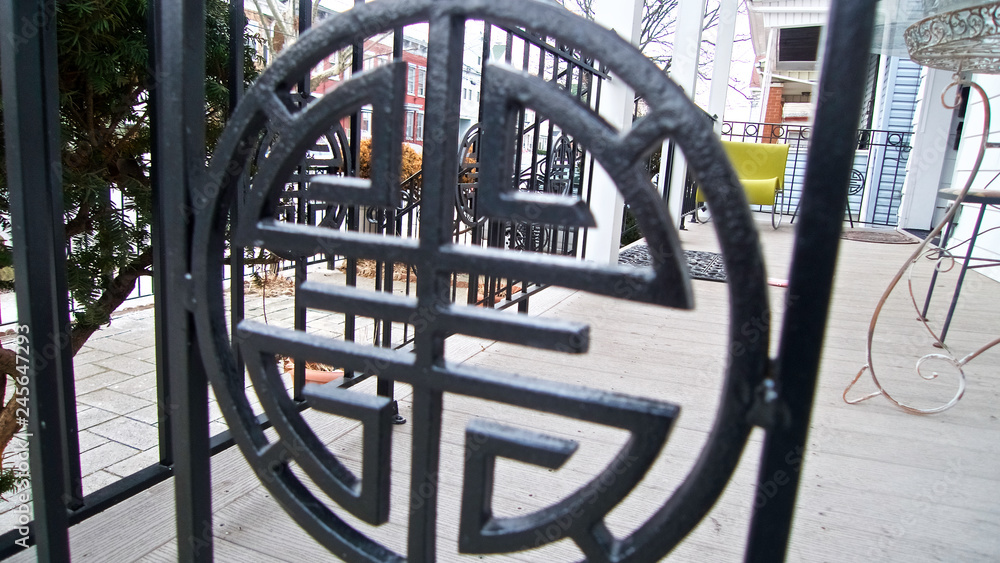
x=378, y=53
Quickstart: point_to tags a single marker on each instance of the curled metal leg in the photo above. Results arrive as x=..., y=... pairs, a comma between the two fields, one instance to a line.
x=922, y=367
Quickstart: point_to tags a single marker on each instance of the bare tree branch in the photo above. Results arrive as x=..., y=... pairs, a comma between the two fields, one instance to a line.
x=279, y=16
x=263, y=24
x=586, y=8
x=319, y=77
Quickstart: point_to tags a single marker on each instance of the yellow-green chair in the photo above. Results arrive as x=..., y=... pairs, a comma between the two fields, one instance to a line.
x=761, y=169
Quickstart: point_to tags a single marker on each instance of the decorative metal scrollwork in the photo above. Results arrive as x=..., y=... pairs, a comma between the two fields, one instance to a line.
x=963, y=40
x=857, y=184
x=330, y=155
x=468, y=178
x=562, y=165
x=666, y=283
x=944, y=261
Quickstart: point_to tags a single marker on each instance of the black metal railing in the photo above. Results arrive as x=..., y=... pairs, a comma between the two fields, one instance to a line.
x=549, y=161
x=777, y=401
x=879, y=166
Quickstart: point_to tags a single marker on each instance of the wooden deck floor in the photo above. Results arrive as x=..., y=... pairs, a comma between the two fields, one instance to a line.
x=878, y=484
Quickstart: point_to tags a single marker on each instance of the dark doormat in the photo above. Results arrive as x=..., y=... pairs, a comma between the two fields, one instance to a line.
x=701, y=265
x=922, y=234
x=883, y=236
x=919, y=233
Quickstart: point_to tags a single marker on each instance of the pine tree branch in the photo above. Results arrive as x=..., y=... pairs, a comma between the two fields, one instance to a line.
x=80, y=223
x=115, y=293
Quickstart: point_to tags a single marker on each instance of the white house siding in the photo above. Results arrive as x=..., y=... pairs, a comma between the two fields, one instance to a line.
x=988, y=245
x=886, y=170
x=868, y=110
x=792, y=13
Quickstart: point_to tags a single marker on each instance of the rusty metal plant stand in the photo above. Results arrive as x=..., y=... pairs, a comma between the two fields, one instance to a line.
x=907, y=270
x=961, y=40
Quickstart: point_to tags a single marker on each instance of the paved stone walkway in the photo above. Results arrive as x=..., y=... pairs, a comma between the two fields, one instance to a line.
x=117, y=413
x=115, y=373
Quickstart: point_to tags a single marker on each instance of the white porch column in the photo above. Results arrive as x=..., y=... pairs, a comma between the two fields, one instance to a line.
x=770, y=54
x=684, y=71
x=930, y=147
x=617, y=106
x=723, y=61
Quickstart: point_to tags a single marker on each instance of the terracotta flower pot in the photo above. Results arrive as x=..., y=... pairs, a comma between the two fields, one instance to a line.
x=318, y=375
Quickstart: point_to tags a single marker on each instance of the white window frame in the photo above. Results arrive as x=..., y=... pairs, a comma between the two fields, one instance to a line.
x=408, y=131
x=366, y=121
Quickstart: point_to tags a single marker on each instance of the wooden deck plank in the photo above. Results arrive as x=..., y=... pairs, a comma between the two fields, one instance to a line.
x=878, y=484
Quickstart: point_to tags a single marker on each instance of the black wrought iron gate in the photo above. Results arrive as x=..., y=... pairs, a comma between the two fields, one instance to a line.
x=196, y=343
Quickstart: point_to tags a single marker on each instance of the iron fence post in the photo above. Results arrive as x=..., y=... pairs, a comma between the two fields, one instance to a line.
x=237, y=266
x=814, y=259
x=31, y=100
x=179, y=186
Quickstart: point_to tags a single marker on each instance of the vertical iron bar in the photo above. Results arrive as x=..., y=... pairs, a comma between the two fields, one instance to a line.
x=301, y=216
x=942, y=244
x=160, y=285
x=31, y=101
x=795, y=173
x=384, y=387
x=522, y=130
x=900, y=155
x=472, y=291
x=301, y=265
x=495, y=235
x=590, y=173
x=965, y=268
x=351, y=268
x=828, y=173
x=178, y=171
x=444, y=85
x=549, y=144
x=427, y=409
x=577, y=189
x=304, y=23
x=237, y=270
x=529, y=235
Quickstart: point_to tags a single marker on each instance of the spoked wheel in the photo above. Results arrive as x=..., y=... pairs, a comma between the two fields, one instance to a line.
x=776, y=213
